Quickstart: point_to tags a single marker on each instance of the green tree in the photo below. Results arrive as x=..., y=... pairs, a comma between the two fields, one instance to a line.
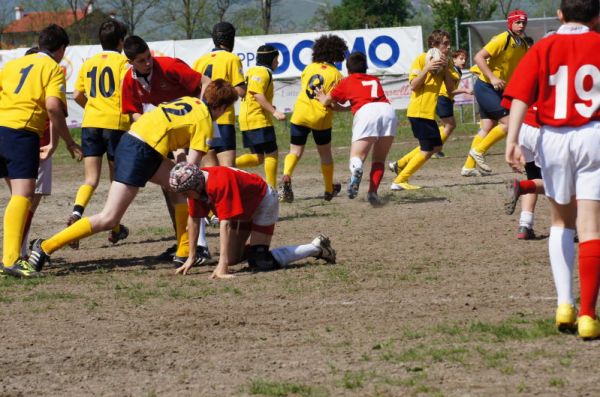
x=446, y=11
x=358, y=14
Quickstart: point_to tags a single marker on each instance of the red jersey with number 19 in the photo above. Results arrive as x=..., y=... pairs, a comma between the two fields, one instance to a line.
x=359, y=89
x=560, y=76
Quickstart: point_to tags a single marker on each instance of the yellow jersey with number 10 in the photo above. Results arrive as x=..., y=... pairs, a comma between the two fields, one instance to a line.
x=308, y=111
x=26, y=82
x=182, y=123
x=100, y=80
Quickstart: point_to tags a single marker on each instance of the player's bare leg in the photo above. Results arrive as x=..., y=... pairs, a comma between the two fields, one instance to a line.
x=226, y=158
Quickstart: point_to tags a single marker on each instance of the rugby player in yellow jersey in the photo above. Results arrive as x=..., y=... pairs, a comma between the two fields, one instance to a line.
x=255, y=115
x=98, y=91
x=32, y=93
x=495, y=64
x=311, y=116
x=221, y=63
x=142, y=156
x=426, y=79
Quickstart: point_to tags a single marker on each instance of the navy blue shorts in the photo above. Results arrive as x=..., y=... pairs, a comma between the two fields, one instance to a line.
x=135, y=161
x=299, y=135
x=489, y=101
x=226, y=141
x=97, y=141
x=444, y=107
x=260, y=140
x=427, y=132
x=19, y=154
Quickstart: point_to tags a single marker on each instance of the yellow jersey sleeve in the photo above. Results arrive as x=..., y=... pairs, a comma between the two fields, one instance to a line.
x=423, y=101
x=182, y=123
x=505, y=55
x=308, y=111
x=221, y=64
x=455, y=79
x=26, y=84
x=252, y=115
x=100, y=79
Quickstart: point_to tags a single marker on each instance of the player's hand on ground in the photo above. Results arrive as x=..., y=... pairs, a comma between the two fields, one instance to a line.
x=220, y=272
x=497, y=83
x=185, y=268
x=279, y=115
x=514, y=157
x=75, y=151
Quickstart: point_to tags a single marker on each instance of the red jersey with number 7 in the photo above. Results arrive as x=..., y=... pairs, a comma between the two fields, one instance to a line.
x=359, y=89
x=561, y=74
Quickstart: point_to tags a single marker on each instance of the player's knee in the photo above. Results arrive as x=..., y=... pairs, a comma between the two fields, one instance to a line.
x=261, y=259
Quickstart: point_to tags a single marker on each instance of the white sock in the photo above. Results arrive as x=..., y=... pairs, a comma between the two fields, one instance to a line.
x=526, y=219
x=291, y=253
x=355, y=163
x=202, y=234
x=562, y=256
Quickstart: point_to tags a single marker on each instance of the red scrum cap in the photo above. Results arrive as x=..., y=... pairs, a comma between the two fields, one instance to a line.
x=516, y=15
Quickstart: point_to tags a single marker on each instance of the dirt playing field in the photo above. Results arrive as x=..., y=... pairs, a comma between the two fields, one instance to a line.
x=432, y=295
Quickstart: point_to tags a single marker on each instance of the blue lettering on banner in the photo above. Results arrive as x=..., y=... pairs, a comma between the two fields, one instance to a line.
x=246, y=57
x=373, y=51
x=296, y=53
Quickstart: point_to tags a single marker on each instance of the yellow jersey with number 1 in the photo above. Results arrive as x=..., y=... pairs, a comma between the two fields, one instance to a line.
x=221, y=64
x=100, y=80
x=182, y=123
x=308, y=111
x=25, y=84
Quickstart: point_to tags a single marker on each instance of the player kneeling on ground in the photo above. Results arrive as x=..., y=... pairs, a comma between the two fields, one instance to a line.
x=248, y=209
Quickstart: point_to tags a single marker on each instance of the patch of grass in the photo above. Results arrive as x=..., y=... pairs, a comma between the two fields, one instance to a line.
x=493, y=359
x=353, y=380
x=155, y=231
x=41, y=296
x=138, y=293
x=558, y=382
x=426, y=353
x=282, y=389
x=511, y=330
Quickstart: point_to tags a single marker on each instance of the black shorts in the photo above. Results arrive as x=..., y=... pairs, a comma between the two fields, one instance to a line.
x=135, y=161
x=260, y=140
x=444, y=107
x=97, y=141
x=19, y=154
x=427, y=132
x=299, y=135
x=227, y=139
x=489, y=101
x=533, y=171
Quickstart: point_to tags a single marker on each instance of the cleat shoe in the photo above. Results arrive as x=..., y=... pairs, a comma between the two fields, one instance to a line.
x=354, y=183
x=525, y=233
x=470, y=172
x=37, y=257
x=328, y=254
x=588, y=328
x=373, y=199
x=480, y=160
x=438, y=155
x=21, y=269
x=403, y=186
x=327, y=196
x=513, y=191
x=115, y=237
x=168, y=254
x=566, y=317
x=214, y=221
x=72, y=219
x=285, y=193
x=393, y=166
x=202, y=256
x=337, y=188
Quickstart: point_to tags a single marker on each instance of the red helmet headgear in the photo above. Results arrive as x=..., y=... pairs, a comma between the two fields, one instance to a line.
x=514, y=16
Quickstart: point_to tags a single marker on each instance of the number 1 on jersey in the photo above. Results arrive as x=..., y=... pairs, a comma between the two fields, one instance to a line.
x=24, y=72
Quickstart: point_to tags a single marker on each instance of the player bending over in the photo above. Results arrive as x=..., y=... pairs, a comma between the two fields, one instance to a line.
x=248, y=209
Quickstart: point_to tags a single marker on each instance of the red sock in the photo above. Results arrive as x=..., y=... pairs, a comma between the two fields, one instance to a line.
x=377, y=170
x=589, y=276
x=527, y=186
x=27, y=224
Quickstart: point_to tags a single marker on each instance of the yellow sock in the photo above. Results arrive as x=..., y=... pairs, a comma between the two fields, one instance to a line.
x=496, y=134
x=407, y=157
x=247, y=160
x=77, y=231
x=84, y=195
x=443, y=135
x=183, y=241
x=470, y=163
x=327, y=171
x=15, y=216
x=271, y=169
x=116, y=229
x=413, y=166
x=289, y=163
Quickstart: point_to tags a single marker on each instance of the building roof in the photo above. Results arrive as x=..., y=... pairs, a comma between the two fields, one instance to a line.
x=36, y=21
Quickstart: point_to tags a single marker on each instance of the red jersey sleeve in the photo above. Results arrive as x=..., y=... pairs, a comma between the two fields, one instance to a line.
x=185, y=75
x=130, y=101
x=338, y=93
x=197, y=209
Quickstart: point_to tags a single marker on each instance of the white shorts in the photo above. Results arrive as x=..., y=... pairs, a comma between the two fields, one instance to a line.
x=43, y=183
x=267, y=212
x=376, y=119
x=570, y=162
x=528, y=140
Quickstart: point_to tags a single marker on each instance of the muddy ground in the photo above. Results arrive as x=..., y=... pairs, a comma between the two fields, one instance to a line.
x=432, y=295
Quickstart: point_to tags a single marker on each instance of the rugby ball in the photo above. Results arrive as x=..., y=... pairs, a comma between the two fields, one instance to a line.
x=433, y=54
